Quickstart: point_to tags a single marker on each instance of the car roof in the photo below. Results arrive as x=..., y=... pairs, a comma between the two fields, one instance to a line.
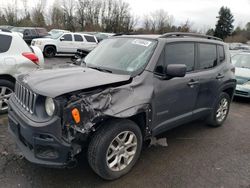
x=178, y=36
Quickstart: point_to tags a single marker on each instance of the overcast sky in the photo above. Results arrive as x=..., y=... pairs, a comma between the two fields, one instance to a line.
x=201, y=13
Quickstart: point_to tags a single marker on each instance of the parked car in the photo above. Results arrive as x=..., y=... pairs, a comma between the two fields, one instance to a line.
x=30, y=33
x=80, y=54
x=101, y=36
x=128, y=90
x=241, y=62
x=15, y=58
x=8, y=27
x=64, y=43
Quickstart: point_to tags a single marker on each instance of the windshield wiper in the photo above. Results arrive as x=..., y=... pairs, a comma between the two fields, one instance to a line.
x=100, y=69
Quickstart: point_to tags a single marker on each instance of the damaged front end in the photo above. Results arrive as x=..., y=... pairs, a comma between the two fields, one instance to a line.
x=84, y=112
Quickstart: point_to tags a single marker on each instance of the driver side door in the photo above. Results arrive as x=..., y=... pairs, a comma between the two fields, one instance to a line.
x=66, y=44
x=175, y=98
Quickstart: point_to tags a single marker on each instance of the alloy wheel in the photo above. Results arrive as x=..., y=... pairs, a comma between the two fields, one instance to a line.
x=5, y=94
x=222, y=110
x=121, y=151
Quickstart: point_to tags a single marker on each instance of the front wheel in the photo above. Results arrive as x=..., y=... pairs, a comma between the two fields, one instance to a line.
x=6, y=89
x=49, y=51
x=115, y=148
x=220, y=110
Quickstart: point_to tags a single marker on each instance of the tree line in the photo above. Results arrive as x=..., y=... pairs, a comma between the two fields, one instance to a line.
x=89, y=15
x=112, y=16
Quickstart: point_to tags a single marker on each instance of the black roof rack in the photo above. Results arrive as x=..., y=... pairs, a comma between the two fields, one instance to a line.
x=182, y=34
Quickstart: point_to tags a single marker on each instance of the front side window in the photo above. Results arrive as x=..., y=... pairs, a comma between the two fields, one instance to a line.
x=180, y=53
x=207, y=56
x=5, y=42
x=122, y=55
x=67, y=37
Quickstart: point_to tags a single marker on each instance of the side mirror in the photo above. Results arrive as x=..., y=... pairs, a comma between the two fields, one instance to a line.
x=62, y=39
x=176, y=70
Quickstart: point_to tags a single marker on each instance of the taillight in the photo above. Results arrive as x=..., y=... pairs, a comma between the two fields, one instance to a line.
x=31, y=56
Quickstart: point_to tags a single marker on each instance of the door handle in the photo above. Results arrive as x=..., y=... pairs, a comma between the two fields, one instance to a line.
x=192, y=83
x=220, y=76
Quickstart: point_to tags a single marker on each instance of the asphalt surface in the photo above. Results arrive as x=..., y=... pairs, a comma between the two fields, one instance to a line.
x=196, y=156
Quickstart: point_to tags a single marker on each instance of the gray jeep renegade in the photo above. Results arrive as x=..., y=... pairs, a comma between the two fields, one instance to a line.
x=127, y=90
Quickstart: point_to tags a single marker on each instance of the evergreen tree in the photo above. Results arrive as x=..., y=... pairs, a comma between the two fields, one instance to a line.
x=224, y=26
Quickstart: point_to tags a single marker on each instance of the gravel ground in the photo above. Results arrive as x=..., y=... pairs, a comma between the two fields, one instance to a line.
x=196, y=156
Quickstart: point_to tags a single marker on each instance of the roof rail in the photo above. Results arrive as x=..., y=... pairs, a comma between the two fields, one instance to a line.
x=182, y=34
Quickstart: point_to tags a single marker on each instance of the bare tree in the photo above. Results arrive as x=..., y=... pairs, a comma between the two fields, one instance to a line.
x=38, y=14
x=68, y=10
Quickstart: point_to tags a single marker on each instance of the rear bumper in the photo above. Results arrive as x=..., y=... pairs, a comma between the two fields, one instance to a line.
x=41, y=145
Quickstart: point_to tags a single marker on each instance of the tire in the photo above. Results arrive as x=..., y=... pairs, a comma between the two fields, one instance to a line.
x=100, y=148
x=217, y=117
x=49, y=51
x=6, y=89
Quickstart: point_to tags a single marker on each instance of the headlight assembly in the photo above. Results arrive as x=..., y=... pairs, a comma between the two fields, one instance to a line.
x=49, y=106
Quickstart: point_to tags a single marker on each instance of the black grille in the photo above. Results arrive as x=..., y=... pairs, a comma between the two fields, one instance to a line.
x=241, y=92
x=25, y=97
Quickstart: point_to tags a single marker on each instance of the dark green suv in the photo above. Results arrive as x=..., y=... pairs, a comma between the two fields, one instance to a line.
x=127, y=90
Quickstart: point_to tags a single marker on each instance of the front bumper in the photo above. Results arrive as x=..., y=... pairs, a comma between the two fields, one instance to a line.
x=41, y=143
x=242, y=91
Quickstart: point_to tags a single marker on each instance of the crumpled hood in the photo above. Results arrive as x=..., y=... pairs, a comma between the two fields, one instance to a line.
x=55, y=82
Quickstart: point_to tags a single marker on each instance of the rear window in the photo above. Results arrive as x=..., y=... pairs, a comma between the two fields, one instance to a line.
x=207, y=56
x=5, y=42
x=90, y=38
x=42, y=31
x=221, y=53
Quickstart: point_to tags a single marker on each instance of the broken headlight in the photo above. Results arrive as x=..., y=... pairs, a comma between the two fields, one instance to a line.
x=49, y=106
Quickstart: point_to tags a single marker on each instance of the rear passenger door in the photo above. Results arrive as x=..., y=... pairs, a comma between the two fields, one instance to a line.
x=175, y=98
x=78, y=41
x=90, y=42
x=210, y=74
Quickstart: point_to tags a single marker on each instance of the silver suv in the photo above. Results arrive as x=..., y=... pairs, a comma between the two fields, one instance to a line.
x=15, y=57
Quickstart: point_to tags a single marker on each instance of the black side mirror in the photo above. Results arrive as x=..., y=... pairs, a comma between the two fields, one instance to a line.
x=62, y=39
x=176, y=70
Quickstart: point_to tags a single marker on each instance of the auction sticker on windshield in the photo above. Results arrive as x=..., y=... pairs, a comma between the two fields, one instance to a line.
x=141, y=42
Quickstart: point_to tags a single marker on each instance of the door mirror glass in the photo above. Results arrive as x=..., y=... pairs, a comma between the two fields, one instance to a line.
x=176, y=70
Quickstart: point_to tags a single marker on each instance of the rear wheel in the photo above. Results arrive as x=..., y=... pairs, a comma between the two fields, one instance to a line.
x=6, y=89
x=115, y=148
x=220, y=110
x=49, y=51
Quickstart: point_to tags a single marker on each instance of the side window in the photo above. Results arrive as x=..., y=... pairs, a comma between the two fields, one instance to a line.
x=181, y=53
x=207, y=56
x=33, y=32
x=78, y=38
x=5, y=42
x=221, y=53
x=89, y=38
x=67, y=37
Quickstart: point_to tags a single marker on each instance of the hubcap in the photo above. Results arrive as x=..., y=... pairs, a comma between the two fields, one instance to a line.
x=222, y=110
x=121, y=151
x=5, y=94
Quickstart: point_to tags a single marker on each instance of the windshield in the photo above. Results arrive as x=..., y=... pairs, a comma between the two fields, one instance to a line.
x=17, y=29
x=241, y=61
x=56, y=35
x=121, y=55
